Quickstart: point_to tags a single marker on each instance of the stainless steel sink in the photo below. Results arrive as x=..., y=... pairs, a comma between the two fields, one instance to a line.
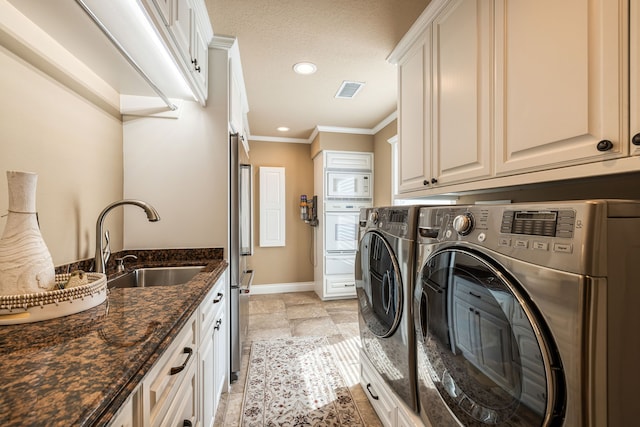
x=156, y=276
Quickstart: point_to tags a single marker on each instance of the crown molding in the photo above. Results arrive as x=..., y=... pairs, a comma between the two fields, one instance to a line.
x=334, y=129
x=278, y=139
x=416, y=31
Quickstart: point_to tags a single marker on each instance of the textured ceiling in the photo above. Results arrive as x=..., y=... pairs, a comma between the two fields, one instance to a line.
x=347, y=40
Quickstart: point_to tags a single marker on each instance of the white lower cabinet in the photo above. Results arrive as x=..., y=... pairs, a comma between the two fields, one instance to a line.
x=390, y=409
x=160, y=386
x=213, y=352
x=183, y=411
x=184, y=386
x=127, y=414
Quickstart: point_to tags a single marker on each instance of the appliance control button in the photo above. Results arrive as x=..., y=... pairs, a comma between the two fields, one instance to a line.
x=524, y=244
x=482, y=237
x=504, y=241
x=463, y=223
x=563, y=247
x=542, y=246
x=373, y=217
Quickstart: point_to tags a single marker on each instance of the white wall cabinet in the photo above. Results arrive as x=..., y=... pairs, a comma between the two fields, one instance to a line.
x=558, y=80
x=415, y=88
x=503, y=88
x=444, y=99
x=186, y=29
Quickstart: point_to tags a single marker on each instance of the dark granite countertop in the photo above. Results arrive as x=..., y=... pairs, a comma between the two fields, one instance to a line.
x=78, y=370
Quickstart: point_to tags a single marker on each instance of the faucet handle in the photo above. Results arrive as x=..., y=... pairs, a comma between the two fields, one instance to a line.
x=120, y=262
x=106, y=251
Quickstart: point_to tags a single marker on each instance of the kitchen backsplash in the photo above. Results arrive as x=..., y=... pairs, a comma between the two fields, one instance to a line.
x=149, y=257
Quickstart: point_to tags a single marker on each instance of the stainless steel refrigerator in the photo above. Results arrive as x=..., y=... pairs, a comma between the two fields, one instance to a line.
x=240, y=247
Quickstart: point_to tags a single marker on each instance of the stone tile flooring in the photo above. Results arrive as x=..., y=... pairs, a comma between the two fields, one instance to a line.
x=302, y=314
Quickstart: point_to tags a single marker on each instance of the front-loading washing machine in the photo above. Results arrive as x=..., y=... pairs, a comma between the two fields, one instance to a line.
x=526, y=314
x=385, y=268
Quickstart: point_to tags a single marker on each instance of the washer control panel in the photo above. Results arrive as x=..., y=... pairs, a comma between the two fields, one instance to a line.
x=549, y=223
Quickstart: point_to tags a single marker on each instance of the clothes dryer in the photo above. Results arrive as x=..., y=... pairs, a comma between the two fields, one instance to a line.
x=385, y=264
x=525, y=314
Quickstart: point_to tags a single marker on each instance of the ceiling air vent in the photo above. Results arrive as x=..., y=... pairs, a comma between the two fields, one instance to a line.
x=348, y=90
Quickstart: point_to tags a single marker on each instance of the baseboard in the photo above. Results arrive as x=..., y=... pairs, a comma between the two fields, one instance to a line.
x=280, y=288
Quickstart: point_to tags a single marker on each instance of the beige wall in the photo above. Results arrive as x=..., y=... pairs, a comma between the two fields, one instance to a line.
x=382, y=164
x=73, y=146
x=293, y=262
x=341, y=142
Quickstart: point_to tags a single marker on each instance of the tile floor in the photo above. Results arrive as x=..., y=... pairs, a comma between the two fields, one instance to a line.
x=302, y=314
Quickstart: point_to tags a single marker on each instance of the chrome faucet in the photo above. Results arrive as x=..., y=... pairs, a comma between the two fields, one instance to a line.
x=152, y=216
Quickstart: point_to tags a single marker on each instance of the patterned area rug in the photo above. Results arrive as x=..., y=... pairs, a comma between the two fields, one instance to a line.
x=295, y=382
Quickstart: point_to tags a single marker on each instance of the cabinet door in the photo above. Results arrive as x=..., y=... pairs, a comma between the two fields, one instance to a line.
x=184, y=408
x=378, y=393
x=461, y=92
x=494, y=349
x=207, y=378
x=124, y=417
x=413, y=116
x=199, y=59
x=465, y=328
x=182, y=26
x=558, y=83
x=634, y=75
x=220, y=359
x=166, y=9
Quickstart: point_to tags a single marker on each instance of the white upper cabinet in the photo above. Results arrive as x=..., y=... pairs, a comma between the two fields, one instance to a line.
x=461, y=77
x=414, y=111
x=165, y=7
x=185, y=27
x=495, y=93
x=634, y=75
x=559, y=87
x=444, y=104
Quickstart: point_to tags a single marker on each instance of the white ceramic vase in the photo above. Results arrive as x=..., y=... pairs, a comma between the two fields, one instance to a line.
x=25, y=262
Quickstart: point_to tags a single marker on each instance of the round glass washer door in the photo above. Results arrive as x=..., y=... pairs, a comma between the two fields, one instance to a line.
x=379, y=287
x=477, y=344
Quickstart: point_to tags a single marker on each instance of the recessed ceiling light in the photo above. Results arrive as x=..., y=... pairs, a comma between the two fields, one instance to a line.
x=283, y=129
x=305, y=68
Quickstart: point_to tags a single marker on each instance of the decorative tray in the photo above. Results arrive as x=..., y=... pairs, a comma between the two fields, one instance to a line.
x=27, y=308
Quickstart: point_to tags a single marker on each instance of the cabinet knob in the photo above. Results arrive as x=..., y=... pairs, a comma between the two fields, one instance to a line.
x=604, y=145
x=196, y=67
x=425, y=182
x=636, y=139
x=434, y=181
